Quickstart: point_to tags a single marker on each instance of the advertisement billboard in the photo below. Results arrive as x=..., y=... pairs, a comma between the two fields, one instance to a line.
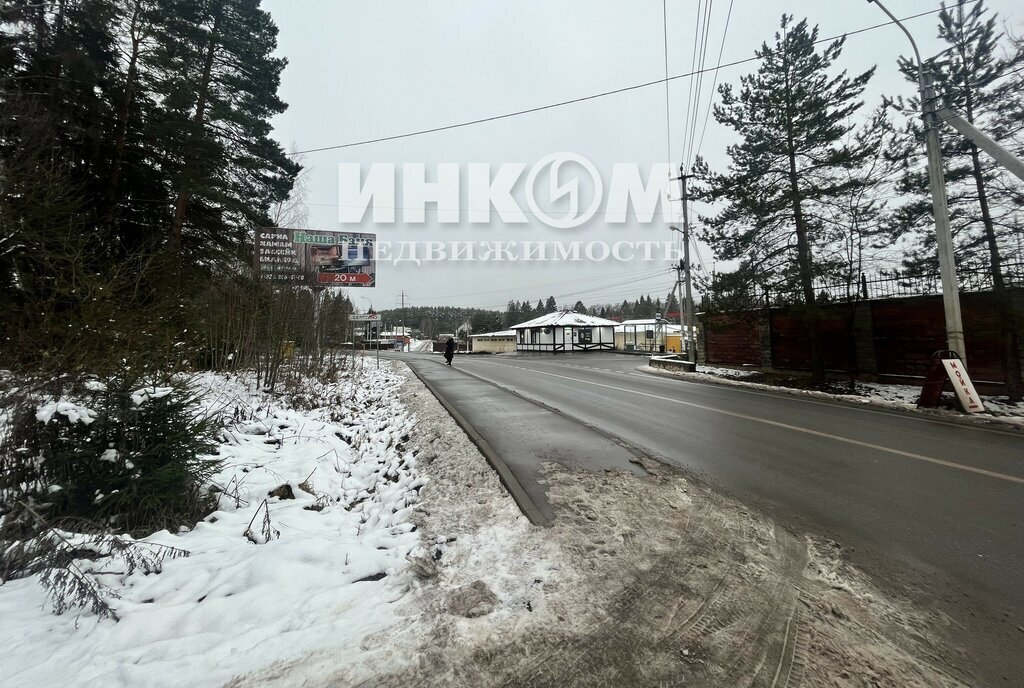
x=316, y=258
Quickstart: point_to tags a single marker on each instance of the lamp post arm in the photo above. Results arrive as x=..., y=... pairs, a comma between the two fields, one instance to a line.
x=1002, y=156
x=913, y=43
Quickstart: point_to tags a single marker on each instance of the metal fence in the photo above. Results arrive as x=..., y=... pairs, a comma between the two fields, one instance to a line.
x=893, y=284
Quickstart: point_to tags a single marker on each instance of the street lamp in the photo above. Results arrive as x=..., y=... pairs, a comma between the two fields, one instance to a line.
x=944, y=235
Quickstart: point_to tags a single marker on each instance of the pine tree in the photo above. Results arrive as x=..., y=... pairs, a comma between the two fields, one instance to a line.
x=856, y=215
x=973, y=80
x=513, y=315
x=217, y=70
x=125, y=124
x=792, y=117
x=551, y=305
x=527, y=311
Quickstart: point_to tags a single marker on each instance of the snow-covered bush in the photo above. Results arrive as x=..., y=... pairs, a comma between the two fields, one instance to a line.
x=124, y=453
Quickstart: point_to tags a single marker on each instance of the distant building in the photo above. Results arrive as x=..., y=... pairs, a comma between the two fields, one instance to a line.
x=565, y=331
x=651, y=334
x=494, y=342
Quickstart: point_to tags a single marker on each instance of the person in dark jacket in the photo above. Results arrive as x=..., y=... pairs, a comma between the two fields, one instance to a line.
x=449, y=350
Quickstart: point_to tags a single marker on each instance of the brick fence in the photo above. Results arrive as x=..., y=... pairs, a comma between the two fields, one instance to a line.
x=874, y=339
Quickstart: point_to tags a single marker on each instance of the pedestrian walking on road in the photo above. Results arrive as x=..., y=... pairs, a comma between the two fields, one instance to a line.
x=449, y=350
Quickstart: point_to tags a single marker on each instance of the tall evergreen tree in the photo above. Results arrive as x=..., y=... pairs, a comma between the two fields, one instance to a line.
x=550, y=305
x=792, y=117
x=513, y=315
x=218, y=72
x=124, y=126
x=527, y=311
x=972, y=78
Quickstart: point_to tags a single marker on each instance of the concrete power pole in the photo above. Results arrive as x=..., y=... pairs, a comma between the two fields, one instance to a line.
x=943, y=234
x=684, y=268
x=691, y=353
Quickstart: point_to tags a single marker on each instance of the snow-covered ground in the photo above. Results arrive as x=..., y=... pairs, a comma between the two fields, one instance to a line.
x=233, y=604
x=325, y=576
x=892, y=396
x=420, y=570
x=421, y=345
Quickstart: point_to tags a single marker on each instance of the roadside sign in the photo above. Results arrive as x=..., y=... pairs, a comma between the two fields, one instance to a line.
x=947, y=366
x=318, y=258
x=970, y=402
x=364, y=317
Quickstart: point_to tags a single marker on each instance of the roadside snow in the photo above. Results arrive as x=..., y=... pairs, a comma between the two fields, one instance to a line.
x=412, y=518
x=891, y=396
x=420, y=570
x=420, y=345
x=471, y=532
x=330, y=562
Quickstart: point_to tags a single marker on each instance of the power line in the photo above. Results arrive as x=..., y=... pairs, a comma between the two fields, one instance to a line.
x=714, y=83
x=643, y=273
x=594, y=96
x=705, y=32
x=689, y=90
x=604, y=292
x=668, y=118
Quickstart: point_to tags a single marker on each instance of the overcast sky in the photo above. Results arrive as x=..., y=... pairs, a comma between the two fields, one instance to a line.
x=362, y=70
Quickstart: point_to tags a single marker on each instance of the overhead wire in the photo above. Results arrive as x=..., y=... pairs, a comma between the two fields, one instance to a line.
x=705, y=31
x=593, y=96
x=641, y=273
x=714, y=83
x=693, y=74
x=668, y=117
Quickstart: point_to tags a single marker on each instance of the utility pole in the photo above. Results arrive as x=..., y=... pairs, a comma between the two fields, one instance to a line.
x=687, y=325
x=943, y=233
x=403, y=320
x=679, y=298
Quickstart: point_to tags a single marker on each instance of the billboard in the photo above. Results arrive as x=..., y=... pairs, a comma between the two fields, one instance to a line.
x=316, y=258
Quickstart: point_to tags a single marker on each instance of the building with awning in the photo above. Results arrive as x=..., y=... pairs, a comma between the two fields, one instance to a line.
x=654, y=335
x=564, y=331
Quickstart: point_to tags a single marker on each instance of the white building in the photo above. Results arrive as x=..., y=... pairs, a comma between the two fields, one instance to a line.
x=650, y=334
x=494, y=342
x=565, y=331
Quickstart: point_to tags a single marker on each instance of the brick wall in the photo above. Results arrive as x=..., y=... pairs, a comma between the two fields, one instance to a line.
x=883, y=336
x=732, y=338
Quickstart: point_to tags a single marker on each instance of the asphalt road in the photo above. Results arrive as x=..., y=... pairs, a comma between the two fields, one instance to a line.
x=897, y=487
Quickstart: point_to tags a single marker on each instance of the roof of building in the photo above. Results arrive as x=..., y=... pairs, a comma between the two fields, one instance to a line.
x=565, y=319
x=646, y=321
x=644, y=324
x=487, y=335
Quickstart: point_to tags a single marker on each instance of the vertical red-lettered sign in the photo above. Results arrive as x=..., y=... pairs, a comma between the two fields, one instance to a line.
x=965, y=392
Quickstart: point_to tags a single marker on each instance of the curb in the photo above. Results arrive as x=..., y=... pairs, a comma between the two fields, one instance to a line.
x=983, y=423
x=505, y=475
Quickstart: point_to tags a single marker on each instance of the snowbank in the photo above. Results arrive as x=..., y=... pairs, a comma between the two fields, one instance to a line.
x=306, y=550
x=891, y=396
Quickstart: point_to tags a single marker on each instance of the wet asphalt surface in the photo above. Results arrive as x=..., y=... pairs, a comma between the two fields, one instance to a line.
x=905, y=492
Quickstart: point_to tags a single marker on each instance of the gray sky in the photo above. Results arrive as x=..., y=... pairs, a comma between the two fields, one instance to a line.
x=361, y=70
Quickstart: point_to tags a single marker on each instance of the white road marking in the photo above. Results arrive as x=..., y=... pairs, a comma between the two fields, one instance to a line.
x=786, y=426
x=846, y=404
